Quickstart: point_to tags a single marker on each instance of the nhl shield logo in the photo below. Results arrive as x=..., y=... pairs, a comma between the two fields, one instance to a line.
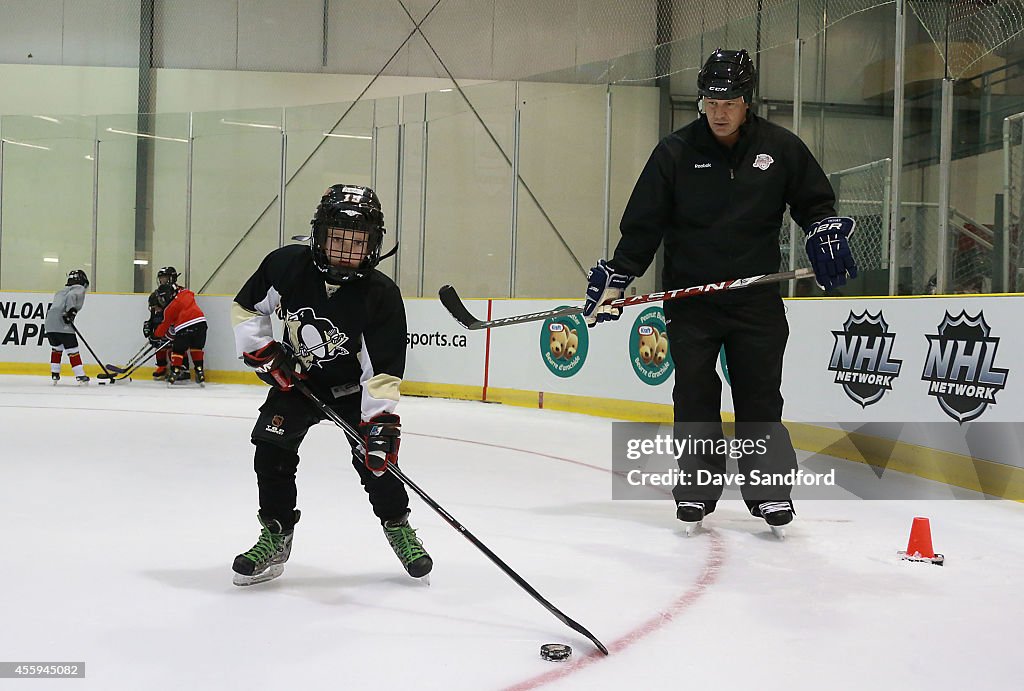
x=862, y=358
x=960, y=366
x=762, y=161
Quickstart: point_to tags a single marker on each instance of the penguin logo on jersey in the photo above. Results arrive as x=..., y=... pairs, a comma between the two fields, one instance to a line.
x=314, y=340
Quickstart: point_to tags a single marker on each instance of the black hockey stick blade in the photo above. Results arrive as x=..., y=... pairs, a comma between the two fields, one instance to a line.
x=450, y=520
x=451, y=301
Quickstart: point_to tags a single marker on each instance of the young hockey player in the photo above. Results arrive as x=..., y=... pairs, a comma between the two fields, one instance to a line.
x=185, y=323
x=167, y=274
x=344, y=336
x=714, y=192
x=67, y=302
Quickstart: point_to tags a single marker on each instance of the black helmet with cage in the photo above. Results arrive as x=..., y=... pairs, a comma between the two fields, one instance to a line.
x=727, y=74
x=348, y=229
x=77, y=277
x=164, y=294
x=168, y=272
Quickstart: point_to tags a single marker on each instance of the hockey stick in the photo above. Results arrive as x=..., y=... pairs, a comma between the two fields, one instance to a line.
x=453, y=303
x=128, y=372
x=143, y=352
x=394, y=470
x=98, y=361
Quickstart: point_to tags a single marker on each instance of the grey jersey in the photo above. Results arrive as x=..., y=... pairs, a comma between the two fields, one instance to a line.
x=68, y=297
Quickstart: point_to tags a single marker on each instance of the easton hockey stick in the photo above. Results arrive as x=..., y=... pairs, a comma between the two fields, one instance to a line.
x=394, y=470
x=453, y=303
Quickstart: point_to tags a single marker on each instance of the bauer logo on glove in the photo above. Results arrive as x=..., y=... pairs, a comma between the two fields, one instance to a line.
x=828, y=250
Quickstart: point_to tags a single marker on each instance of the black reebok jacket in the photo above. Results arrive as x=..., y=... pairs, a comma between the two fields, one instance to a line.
x=719, y=211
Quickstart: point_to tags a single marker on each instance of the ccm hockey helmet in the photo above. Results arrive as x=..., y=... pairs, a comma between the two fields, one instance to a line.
x=727, y=74
x=348, y=229
x=164, y=294
x=77, y=277
x=168, y=272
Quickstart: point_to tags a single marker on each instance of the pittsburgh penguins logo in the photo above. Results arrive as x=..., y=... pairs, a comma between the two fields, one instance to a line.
x=314, y=340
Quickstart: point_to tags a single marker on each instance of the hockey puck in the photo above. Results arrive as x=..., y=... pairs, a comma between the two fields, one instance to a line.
x=555, y=652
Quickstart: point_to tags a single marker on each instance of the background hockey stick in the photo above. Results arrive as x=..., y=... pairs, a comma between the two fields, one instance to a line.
x=394, y=470
x=143, y=353
x=128, y=371
x=453, y=303
x=98, y=361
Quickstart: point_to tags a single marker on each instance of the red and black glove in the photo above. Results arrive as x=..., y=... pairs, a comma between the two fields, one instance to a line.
x=381, y=437
x=273, y=365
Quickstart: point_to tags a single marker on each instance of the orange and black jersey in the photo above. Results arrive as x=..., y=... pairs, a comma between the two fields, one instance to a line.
x=345, y=337
x=181, y=313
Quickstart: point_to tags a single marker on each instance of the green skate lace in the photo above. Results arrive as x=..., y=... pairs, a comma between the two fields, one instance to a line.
x=264, y=548
x=403, y=540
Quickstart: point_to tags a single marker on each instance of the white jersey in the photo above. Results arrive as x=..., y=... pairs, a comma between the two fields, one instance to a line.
x=68, y=297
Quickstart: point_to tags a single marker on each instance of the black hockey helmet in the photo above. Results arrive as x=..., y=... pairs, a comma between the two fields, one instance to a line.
x=727, y=74
x=168, y=272
x=164, y=294
x=355, y=210
x=77, y=277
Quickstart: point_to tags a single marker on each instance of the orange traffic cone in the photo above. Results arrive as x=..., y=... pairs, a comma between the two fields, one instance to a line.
x=919, y=547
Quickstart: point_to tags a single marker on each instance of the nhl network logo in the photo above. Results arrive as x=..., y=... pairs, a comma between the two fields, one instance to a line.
x=862, y=358
x=960, y=366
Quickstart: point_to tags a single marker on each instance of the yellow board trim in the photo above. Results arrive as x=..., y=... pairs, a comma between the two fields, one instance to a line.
x=980, y=475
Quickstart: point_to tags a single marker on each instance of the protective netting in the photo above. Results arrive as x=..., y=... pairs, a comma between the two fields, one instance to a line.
x=1013, y=201
x=965, y=31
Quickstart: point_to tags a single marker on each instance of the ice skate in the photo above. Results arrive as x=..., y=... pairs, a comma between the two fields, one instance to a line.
x=691, y=513
x=160, y=373
x=200, y=376
x=408, y=548
x=776, y=514
x=266, y=560
x=184, y=375
x=82, y=380
x=173, y=375
x=55, y=376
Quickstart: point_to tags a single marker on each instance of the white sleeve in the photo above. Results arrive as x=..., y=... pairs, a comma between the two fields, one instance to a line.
x=254, y=329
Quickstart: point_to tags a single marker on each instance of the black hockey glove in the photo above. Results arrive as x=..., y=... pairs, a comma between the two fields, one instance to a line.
x=273, y=365
x=69, y=316
x=147, y=329
x=157, y=343
x=828, y=249
x=381, y=437
x=603, y=284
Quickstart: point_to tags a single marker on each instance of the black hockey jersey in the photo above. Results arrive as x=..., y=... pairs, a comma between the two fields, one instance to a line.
x=718, y=210
x=345, y=337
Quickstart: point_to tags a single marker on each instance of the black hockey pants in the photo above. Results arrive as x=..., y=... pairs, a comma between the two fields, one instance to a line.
x=284, y=419
x=753, y=332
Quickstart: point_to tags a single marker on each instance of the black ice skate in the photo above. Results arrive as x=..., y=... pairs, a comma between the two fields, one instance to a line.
x=200, y=376
x=184, y=375
x=160, y=373
x=173, y=375
x=266, y=560
x=55, y=376
x=82, y=380
x=408, y=548
x=691, y=513
x=776, y=514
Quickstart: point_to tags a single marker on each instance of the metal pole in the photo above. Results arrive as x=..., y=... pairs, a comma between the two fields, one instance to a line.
x=283, y=178
x=886, y=218
x=945, y=163
x=1, y=206
x=96, y=208
x=798, y=105
x=895, y=224
x=607, y=173
x=399, y=197
x=423, y=205
x=188, y=198
x=373, y=147
x=517, y=133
